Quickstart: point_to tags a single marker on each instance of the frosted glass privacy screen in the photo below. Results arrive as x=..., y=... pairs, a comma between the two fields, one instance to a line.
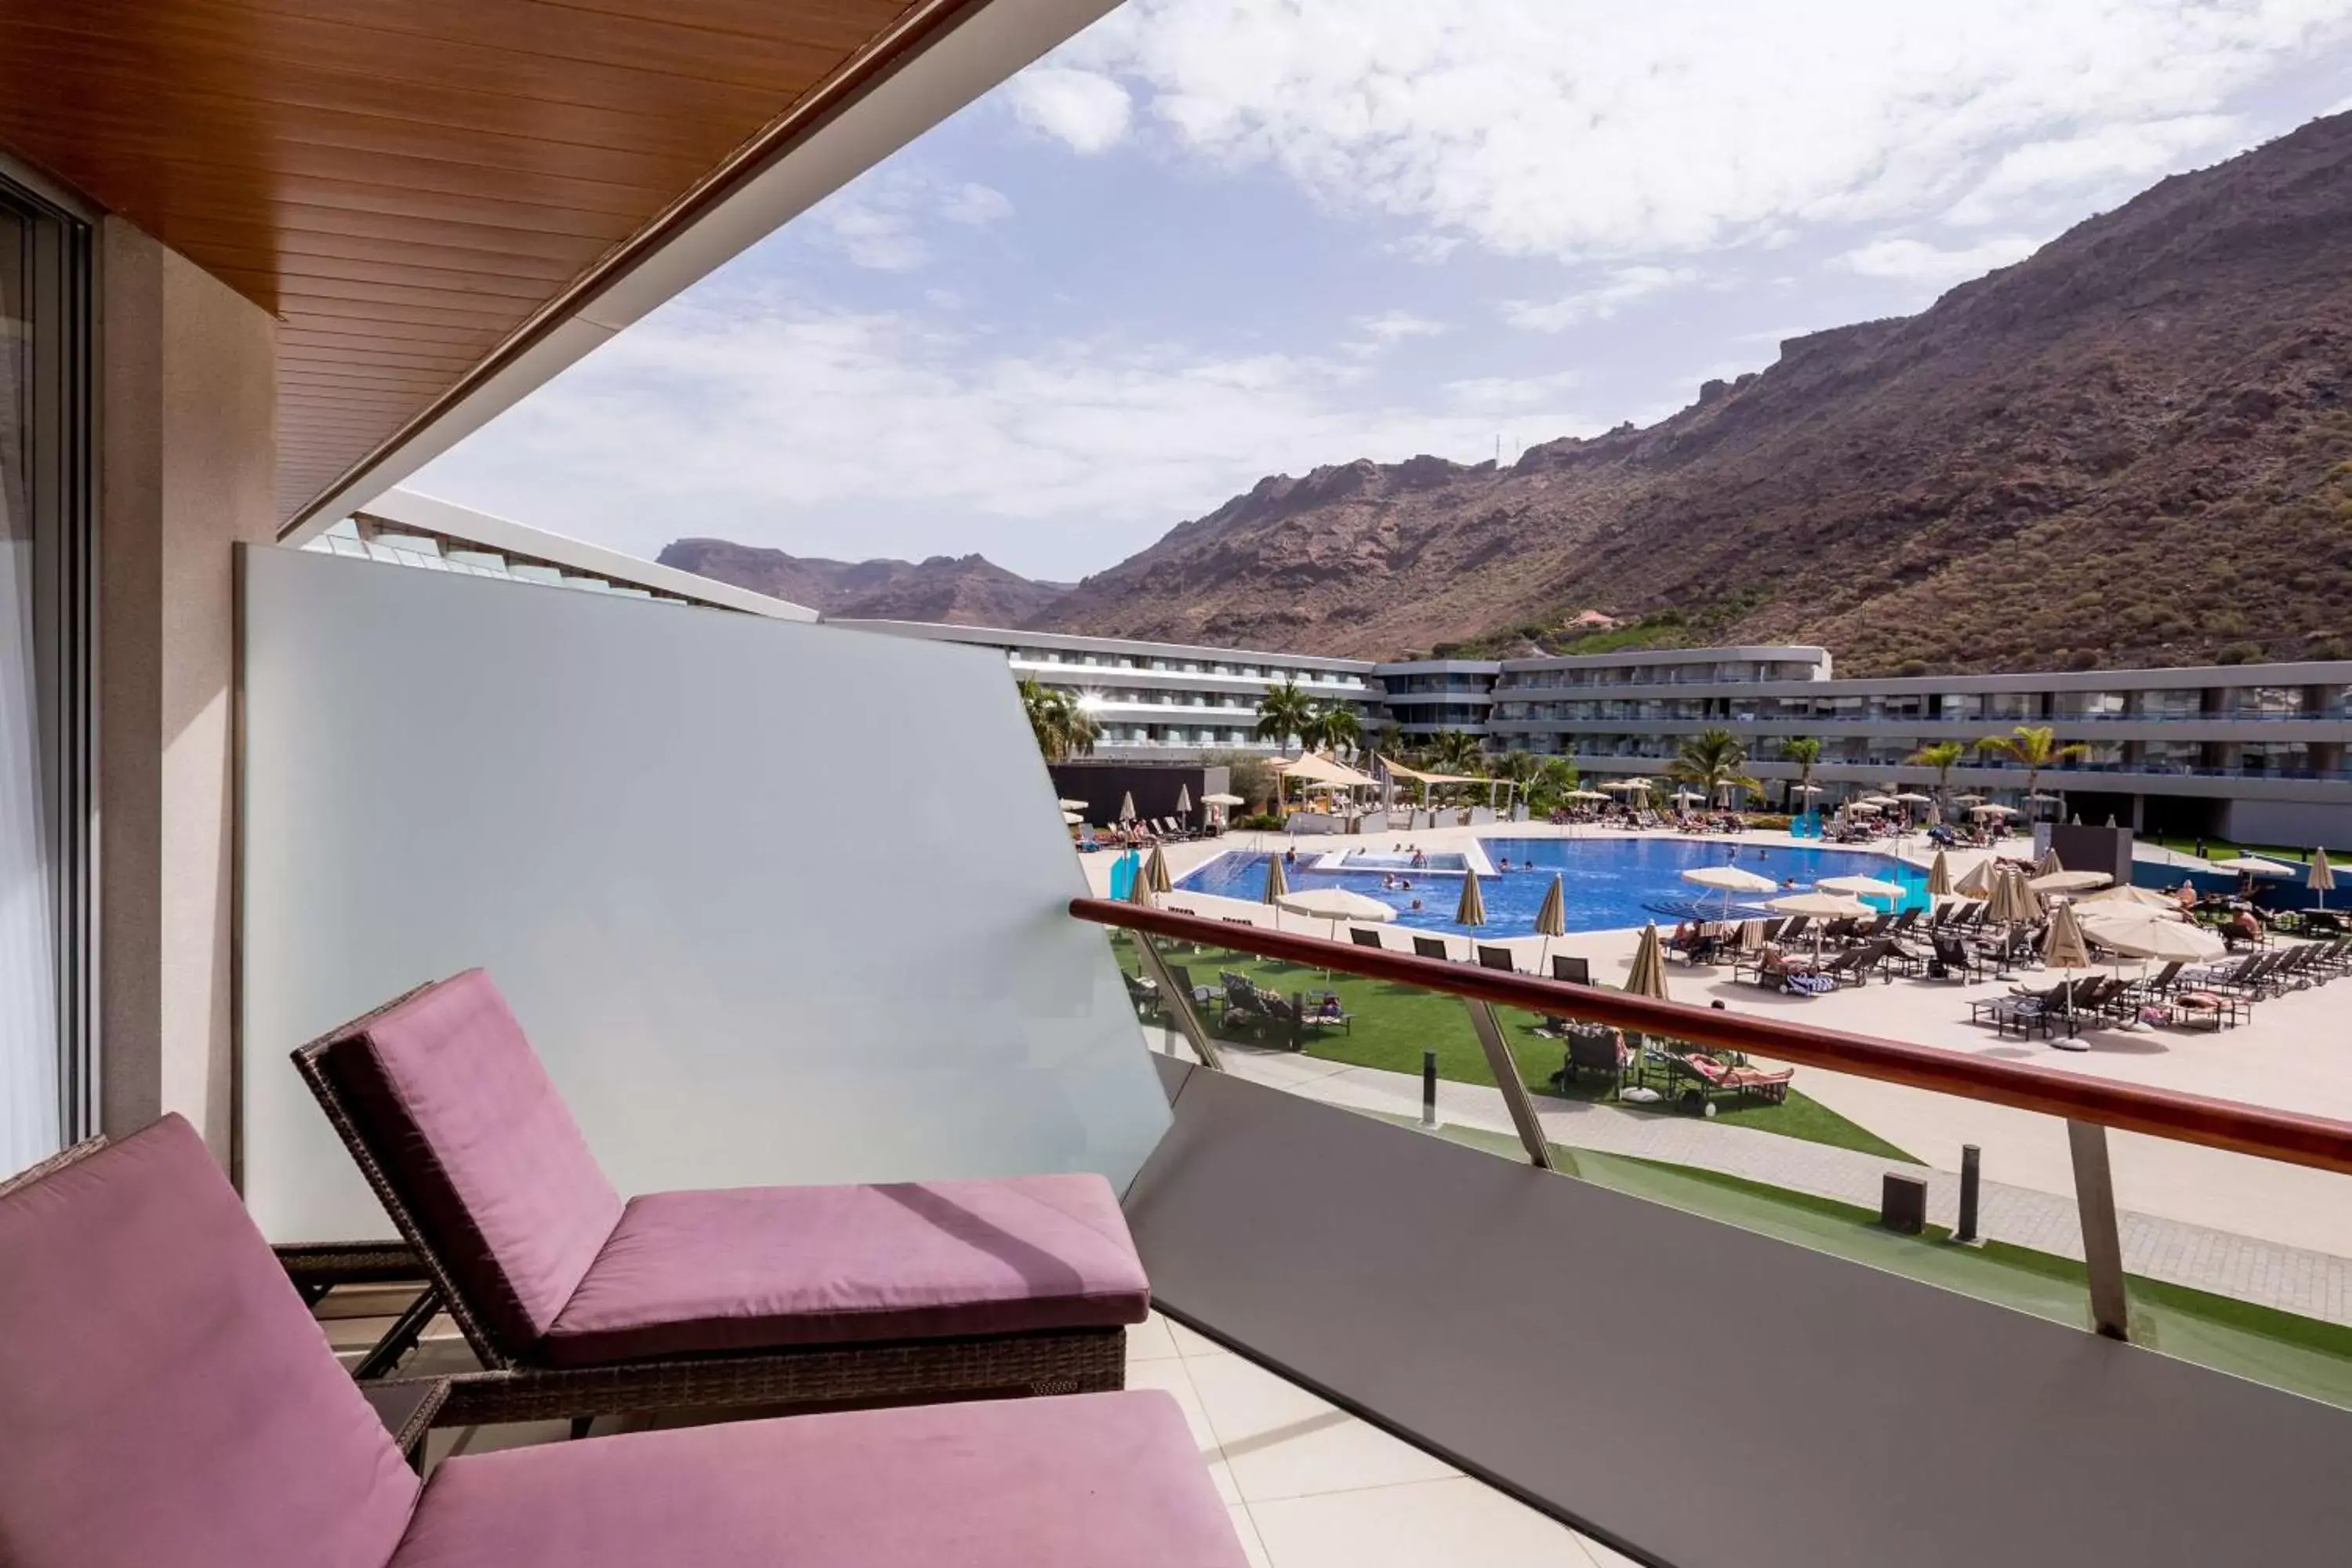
x=775, y=902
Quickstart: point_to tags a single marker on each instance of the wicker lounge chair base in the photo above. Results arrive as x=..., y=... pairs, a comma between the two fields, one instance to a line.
x=1091, y=1361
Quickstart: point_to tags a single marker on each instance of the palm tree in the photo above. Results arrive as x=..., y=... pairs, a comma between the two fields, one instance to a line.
x=1338, y=730
x=2032, y=747
x=1456, y=752
x=1803, y=750
x=1560, y=773
x=1714, y=762
x=1943, y=756
x=1063, y=727
x=1284, y=714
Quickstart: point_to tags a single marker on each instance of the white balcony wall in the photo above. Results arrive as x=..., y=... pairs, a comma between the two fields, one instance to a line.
x=777, y=902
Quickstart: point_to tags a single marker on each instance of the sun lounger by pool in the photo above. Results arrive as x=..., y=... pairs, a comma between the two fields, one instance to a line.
x=172, y=1404
x=579, y=1303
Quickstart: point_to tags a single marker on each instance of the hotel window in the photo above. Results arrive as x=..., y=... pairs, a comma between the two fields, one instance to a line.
x=2271, y=701
x=2171, y=756
x=2088, y=704
x=45, y=666
x=2172, y=704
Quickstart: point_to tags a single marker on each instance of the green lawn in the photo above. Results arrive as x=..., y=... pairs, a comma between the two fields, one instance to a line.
x=2224, y=849
x=2302, y=1355
x=1394, y=1024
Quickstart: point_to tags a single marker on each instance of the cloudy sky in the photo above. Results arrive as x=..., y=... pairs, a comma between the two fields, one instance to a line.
x=1212, y=240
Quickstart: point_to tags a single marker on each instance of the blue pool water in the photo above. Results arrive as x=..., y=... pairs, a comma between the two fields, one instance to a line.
x=1610, y=883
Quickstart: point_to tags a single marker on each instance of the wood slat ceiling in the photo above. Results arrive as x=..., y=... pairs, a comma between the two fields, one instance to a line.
x=403, y=183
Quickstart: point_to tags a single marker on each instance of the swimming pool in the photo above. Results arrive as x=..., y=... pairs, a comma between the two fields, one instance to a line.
x=1610, y=883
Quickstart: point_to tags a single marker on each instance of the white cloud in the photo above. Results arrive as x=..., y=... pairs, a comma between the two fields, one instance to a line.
x=1085, y=108
x=879, y=222
x=1916, y=261
x=1620, y=131
x=1625, y=285
x=768, y=418
x=1389, y=329
x=971, y=204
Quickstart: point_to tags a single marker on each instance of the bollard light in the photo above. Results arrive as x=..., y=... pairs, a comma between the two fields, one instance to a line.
x=1972, y=1159
x=1429, y=1088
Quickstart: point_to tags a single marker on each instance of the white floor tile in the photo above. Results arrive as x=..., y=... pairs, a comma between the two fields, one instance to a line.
x=1149, y=1340
x=1252, y=1547
x=1411, y=1526
x=1190, y=1344
x=1172, y=1376
x=1282, y=1441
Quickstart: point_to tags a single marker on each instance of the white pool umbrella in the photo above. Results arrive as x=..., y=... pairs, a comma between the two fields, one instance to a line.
x=2146, y=934
x=1183, y=800
x=1221, y=798
x=1072, y=818
x=1126, y=806
x=2255, y=866
x=1729, y=880
x=1913, y=797
x=1074, y=806
x=1862, y=887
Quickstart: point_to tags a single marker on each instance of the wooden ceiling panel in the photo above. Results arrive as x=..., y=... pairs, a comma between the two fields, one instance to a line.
x=409, y=186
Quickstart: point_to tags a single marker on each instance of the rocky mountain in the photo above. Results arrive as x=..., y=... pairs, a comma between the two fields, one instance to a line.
x=2133, y=447
x=967, y=589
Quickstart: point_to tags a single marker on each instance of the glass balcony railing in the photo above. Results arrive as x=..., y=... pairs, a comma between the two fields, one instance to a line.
x=2197, y=1226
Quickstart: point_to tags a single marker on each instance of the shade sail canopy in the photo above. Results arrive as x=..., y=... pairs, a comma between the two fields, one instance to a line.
x=1862, y=887
x=1822, y=906
x=1648, y=977
x=2146, y=934
x=1471, y=910
x=2070, y=882
x=1335, y=904
x=1400, y=771
x=1317, y=768
x=1730, y=879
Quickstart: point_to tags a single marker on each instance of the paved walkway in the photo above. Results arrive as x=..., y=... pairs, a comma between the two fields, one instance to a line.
x=2293, y=1280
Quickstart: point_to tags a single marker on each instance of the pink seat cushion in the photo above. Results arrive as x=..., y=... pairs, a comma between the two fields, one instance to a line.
x=164, y=1398
x=1084, y=1482
x=753, y=1267
x=473, y=1137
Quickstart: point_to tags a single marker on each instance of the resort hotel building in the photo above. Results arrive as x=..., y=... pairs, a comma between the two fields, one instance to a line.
x=2247, y=753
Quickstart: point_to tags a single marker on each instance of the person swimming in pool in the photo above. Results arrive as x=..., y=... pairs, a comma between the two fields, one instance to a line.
x=1416, y=903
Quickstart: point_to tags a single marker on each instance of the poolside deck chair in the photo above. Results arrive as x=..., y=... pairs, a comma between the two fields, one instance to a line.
x=1496, y=958
x=1956, y=958
x=1364, y=936
x=1594, y=1049
x=178, y=1405
x=1571, y=969
x=1705, y=1077
x=578, y=1304
x=1430, y=947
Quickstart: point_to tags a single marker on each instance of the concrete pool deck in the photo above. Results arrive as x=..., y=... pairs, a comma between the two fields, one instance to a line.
x=2295, y=1054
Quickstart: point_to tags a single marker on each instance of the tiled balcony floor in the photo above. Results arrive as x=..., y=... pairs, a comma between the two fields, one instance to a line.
x=1308, y=1485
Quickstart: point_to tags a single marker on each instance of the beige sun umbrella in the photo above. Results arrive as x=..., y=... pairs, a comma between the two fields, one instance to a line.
x=1821, y=907
x=1183, y=800
x=1552, y=921
x=1336, y=904
x=1071, y=818
x=2062, y=948
x=1277, y=886
x=2069, y=881
x=1584, y=794
x=1074, y=806
x=1140, y=890
x=1223, y=798
x=1939, y=877
x=2013, y=904
x=2125, y=897
x=1155, y=871
x=1472, y=910
x=2321, y=878
x=1992, y=811
x=2148, y=934
x=1648, y=975
x=1975, y=882
x=1126, y=806
x=2048, y=865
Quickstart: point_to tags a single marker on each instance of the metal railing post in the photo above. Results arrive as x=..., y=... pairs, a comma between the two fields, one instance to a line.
x=1489, y=1030
x=1177, y=1002
x=2103, y=1245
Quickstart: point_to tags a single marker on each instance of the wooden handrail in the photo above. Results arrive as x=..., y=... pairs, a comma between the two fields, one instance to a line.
x=2283, y=1135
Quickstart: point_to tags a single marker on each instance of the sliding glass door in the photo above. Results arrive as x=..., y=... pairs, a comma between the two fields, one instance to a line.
x=46, y=1095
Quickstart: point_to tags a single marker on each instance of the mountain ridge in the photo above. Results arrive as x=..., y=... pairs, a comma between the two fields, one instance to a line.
x=963, y=590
